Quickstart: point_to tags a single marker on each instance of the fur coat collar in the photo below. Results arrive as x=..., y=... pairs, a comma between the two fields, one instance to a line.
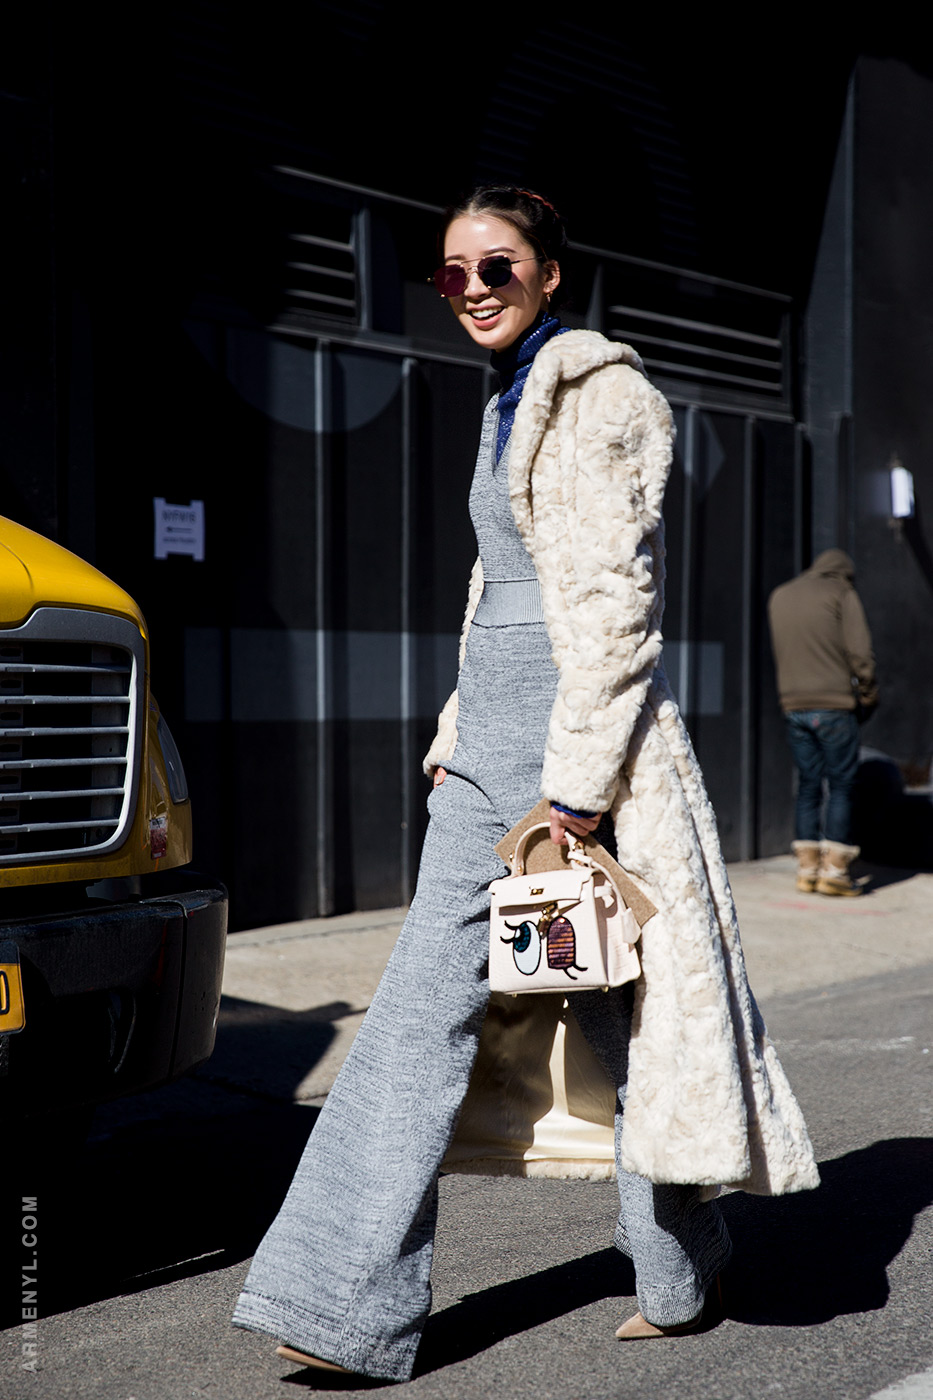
x=707, y=1100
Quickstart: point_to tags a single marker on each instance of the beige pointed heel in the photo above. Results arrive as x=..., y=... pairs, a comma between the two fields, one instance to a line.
x=304, y=1359
x=638, y=1328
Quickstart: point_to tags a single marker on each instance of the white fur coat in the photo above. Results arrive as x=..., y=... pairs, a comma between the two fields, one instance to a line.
x=707, y=1100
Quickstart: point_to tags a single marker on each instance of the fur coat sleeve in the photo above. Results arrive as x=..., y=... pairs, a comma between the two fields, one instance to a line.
x=593, y=517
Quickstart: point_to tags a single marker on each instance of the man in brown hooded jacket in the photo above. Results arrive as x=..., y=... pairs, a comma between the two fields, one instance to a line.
x=826, y=681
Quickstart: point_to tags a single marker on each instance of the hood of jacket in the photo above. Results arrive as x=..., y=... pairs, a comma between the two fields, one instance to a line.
x=564, y=358
x=833, y=561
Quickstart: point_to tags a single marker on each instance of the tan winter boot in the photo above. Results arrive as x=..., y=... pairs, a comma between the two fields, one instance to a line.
x=808, y=864
x=835, y=859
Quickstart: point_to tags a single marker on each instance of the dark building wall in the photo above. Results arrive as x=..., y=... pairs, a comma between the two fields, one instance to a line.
x=869, y=345
x=167, y=351
x=30, y=328
x=893, y=404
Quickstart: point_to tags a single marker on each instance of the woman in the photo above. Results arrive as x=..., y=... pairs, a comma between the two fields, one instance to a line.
x=561, y=691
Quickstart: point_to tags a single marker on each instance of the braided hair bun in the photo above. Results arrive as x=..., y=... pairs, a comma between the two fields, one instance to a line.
x=534, y=217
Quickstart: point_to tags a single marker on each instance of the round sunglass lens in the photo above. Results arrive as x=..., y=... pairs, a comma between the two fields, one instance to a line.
x=495, y=272
x=450, y=280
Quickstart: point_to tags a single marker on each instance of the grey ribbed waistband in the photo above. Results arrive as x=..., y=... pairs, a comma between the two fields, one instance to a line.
x=509, y=603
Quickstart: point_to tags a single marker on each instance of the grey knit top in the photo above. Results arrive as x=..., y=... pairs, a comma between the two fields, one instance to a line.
x=511, y=592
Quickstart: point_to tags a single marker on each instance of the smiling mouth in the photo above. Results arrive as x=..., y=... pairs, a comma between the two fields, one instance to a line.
x=486, y=313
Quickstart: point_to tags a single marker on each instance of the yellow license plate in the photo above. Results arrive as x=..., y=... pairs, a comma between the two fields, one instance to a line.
x=12, y=1009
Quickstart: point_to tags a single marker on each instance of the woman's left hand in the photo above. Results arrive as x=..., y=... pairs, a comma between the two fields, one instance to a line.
x=562, y=822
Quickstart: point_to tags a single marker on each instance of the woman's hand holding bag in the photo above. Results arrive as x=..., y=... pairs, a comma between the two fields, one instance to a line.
x=560, y=930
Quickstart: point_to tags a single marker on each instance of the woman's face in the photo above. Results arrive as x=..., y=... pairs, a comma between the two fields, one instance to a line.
x=496, y=318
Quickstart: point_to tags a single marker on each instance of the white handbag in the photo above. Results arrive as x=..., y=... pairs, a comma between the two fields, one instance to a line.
x=560, y=930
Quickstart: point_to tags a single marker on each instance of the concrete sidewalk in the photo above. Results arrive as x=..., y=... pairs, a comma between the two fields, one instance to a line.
x=321, y=973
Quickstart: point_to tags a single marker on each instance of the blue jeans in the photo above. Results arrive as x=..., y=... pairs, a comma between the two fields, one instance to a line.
x=825, y=745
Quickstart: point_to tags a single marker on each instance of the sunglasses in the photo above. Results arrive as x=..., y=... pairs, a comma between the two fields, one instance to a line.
x=493, y=272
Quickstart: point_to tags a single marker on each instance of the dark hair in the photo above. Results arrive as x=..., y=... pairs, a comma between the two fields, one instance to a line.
x=534, y=217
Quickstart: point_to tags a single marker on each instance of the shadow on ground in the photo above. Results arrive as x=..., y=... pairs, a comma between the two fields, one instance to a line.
x=269, y=1050
x=893, y=826
x=878, y=877
x=173, y=1182
x=160, y=1201
x=799, y=1260
x=153, y=1201
x=803, y=1259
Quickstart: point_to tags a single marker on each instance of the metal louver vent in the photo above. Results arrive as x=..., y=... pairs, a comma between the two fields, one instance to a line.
x=71, y=718
x=321, y=270
x=322, y=230
x=718, y=337
x=679, y=347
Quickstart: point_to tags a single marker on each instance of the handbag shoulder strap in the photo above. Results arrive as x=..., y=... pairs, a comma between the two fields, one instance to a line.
x=581, y=860
x=627, y=892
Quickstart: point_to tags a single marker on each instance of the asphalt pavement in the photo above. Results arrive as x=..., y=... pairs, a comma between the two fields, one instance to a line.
x=144, y=1237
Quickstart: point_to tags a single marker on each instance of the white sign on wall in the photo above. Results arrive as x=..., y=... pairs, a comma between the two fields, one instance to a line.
x=178, y=529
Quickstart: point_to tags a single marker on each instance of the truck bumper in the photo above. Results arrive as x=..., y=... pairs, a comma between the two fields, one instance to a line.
x=118, y=996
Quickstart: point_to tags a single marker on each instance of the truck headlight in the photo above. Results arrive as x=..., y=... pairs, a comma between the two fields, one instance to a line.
x=174, y=768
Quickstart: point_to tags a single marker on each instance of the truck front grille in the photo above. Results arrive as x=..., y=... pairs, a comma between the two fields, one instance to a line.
x=71, y=713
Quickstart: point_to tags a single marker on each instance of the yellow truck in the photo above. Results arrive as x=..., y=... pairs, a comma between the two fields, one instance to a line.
x=111, y=952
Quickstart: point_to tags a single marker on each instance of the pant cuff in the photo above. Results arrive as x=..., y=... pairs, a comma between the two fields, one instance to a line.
x=671, y=1305
x=368, y=1356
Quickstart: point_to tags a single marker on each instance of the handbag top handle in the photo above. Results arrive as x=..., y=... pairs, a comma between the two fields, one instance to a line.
x=518, y=858
x=629, y=896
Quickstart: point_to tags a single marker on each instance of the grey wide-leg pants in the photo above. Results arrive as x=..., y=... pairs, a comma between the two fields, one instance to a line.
x=344, y=1270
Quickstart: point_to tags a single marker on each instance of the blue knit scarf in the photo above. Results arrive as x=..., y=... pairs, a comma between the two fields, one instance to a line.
x=512, y=366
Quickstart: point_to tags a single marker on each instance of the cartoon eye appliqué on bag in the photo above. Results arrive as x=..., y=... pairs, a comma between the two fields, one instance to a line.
x=561, y=944
x=562, y=947
x=526, y=946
